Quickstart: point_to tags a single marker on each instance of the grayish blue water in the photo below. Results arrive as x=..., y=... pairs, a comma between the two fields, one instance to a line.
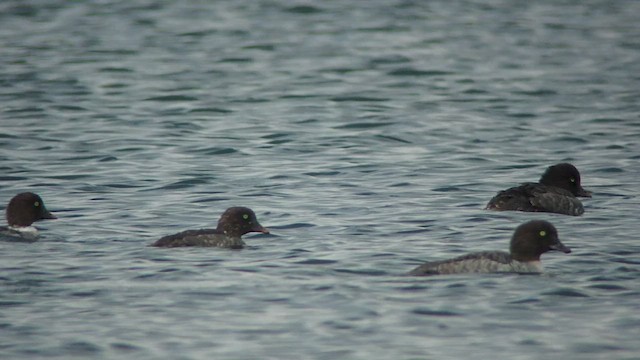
x=367, y=136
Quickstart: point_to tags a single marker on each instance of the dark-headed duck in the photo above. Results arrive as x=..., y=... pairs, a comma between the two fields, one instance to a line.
x=529, y=241
x=234, y=222
x=22, y=211
x=556, y=192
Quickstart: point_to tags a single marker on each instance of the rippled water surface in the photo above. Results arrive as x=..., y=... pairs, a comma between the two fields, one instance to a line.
x=368, y=136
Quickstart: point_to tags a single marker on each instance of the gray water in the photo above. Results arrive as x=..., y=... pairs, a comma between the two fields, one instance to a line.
x=368, y=136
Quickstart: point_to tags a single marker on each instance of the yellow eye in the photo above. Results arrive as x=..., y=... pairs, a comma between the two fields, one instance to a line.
x=36, y=204
x=245, y=216
x=543, y=233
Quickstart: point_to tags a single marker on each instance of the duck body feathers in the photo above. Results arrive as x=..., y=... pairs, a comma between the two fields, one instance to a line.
x=536, y=197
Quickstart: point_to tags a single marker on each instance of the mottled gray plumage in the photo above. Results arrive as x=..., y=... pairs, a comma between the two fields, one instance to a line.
x=556, y=192
x=529, y=241
x=234, y=222
x=480, y=262
x=202, y=237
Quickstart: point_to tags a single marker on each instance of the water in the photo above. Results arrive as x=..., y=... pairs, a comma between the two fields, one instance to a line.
x=366, y=136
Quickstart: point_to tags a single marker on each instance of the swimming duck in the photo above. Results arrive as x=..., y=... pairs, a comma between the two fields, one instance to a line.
x=529, y=241
x=556, y=192
x=22, y=211
x=234, y=222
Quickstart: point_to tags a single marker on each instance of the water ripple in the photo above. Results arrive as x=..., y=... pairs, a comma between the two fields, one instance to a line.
x=367, y=138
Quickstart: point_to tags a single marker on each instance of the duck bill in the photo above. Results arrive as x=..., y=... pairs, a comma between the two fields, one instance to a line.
x=48, y=215
x=584, y=193
x=261, y=229
x=560, y=247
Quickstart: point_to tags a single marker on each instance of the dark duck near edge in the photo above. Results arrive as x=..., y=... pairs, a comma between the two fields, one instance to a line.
x=556, y=192
x=22, y=211
x=529, y=241
x=234, y=222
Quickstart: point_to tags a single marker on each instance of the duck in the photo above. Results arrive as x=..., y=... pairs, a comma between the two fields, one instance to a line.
x=556, y=192
x=234, y=222
x=529, y=241
x=22, y=211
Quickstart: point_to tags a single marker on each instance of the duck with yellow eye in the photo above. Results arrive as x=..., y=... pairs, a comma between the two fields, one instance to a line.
x=234, y=222
x=557, y=192
x=22, y=211
x=529, y=241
